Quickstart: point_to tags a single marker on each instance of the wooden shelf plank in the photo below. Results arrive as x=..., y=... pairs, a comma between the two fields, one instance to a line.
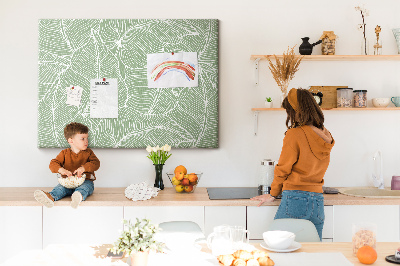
x=333, y=109
x=337, y=57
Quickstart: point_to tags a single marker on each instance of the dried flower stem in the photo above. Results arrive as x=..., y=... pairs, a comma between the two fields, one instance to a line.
x=283, y=72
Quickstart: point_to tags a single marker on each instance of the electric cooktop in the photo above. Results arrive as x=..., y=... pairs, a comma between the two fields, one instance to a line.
x=225, y=193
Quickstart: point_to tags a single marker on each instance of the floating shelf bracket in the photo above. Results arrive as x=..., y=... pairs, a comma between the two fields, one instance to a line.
x=255, y=122
x=256, y=70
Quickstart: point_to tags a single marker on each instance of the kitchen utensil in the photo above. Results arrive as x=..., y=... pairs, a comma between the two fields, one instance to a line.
x=240, y=236
x=278, y=239
x=306, y=47
x=220, y=240
x=396, y=101
x=395, y=184
x=380, y=102
x=266, y=176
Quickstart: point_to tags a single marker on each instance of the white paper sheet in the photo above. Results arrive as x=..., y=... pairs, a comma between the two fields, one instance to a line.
x=74, y=95
x=167, y=70
x=104, y=98
x=310, y=259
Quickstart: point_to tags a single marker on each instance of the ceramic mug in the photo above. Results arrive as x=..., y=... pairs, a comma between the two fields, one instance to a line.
x=395, y=184
x=396, y=101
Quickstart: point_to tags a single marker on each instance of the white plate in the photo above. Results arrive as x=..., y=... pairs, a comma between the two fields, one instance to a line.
x=293, y=247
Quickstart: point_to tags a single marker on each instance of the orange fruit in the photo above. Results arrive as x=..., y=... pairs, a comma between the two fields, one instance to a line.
x=179, y=169
x=367, y=255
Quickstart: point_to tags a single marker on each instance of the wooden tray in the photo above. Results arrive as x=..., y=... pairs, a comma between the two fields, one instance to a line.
x=329, y=98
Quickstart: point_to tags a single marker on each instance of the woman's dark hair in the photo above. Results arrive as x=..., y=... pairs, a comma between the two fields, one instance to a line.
x=309, y=113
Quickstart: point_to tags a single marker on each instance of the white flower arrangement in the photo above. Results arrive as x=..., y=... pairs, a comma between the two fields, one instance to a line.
x=364, y=13
x=138, y=237
x=159, y=155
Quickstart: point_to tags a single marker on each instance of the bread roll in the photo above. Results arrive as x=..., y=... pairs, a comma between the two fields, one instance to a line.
x=265, y=261
x=243, y=254
x=239, y=262
x=259, y=253
x=226, y=260
x=252, y=262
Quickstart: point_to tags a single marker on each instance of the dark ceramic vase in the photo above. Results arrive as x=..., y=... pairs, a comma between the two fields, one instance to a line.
x=159, y=181
x=306, y=47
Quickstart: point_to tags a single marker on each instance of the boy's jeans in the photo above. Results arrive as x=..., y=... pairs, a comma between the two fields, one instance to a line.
x=306, y=205
x=86, y=189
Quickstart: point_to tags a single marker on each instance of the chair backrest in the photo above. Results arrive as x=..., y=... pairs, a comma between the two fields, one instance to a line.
x=304, y=230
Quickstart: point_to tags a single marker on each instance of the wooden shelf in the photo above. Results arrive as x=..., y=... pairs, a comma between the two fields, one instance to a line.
x=337, y=57
x=332, y=109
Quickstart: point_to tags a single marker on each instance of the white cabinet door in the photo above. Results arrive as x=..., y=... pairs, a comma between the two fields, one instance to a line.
x=85, y=225
x=259, y=219
x=20, y=229
x=218, y=215
x=159, y=214
x=386, y=217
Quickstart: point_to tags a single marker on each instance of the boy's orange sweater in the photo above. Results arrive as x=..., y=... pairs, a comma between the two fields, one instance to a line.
x=71, y=161
x=303, y=161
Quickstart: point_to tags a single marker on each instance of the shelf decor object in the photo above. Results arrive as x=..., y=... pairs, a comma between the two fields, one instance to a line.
x=72, y=52
x=396, y=33
x=364, y=42
x=378, y=44
x=328, y=46
x=283, y=70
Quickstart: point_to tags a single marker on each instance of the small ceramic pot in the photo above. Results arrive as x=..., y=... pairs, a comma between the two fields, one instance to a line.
x=395, y=183
x=268, y=104
x=380, y=102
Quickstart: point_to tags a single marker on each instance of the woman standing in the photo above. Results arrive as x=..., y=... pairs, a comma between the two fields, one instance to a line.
x=305, y=156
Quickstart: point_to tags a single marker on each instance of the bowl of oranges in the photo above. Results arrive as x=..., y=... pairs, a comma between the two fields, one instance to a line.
x=183, y=181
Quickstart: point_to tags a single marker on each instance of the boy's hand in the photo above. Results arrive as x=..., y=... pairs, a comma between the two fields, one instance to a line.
x=79, y=171
x=63, y=171
x=263, y=198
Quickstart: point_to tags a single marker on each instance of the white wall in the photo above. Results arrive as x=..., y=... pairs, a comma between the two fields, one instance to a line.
x=246, y=27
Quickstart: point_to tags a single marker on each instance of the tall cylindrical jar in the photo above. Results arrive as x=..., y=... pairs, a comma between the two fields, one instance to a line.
x=266, y=176
x=360, y=98
x=344, y=97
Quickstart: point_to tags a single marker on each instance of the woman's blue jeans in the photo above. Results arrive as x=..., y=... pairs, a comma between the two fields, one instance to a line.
x=306, y=205
x=86, y=189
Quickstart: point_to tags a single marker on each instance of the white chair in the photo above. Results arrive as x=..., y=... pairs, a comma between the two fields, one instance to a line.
x=304, y=230
x=178, y=234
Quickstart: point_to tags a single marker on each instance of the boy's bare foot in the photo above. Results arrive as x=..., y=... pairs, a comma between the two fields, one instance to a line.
x=76, y=199
x=44, y=198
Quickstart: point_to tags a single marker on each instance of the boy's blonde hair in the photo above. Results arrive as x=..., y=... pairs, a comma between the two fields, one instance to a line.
x=74, y=128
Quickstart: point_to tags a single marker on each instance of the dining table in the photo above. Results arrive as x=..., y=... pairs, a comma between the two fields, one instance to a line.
x=72, y=254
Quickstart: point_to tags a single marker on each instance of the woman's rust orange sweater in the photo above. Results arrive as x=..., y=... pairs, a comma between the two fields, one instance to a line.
x=303, y=161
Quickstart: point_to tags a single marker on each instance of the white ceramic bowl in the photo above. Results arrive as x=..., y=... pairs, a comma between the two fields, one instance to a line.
x=279, y=239
x=380, y=102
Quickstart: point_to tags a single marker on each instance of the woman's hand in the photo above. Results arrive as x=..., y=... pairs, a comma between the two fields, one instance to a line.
x=263, y=198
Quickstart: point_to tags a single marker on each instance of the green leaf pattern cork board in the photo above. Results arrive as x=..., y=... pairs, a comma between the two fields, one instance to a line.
x=72, y=52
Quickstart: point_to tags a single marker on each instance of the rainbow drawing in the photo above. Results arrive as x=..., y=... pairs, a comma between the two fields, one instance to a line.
x=167, y=66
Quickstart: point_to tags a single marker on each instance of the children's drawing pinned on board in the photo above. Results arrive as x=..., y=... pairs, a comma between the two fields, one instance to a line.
x=74, y=95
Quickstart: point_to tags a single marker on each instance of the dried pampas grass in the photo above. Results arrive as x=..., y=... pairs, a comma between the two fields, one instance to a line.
x=283, y=71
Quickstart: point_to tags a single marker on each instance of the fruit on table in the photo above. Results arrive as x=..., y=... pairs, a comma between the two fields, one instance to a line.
x=189, y=188
x=192, y=178
x=179, y=188
x=180, y=169
x=175, y=181
x=367, y=255
x=185, y=182
x=179, y=175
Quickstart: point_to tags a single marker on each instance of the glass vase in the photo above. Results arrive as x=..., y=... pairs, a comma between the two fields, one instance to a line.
x=159, y=181
x=364, y=46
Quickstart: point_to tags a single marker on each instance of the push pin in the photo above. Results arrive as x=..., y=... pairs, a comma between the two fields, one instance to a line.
x=172, y=53
x=104, y=79
x=72, y=88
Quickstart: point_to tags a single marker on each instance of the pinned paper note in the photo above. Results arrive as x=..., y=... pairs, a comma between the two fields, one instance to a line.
x=74, y=95
x=104, y=98
x=169, y=70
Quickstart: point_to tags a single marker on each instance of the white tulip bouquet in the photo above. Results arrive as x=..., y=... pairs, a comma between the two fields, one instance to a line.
x=159, y=155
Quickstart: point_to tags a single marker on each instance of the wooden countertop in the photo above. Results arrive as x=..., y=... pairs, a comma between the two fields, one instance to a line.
x=23, y=196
